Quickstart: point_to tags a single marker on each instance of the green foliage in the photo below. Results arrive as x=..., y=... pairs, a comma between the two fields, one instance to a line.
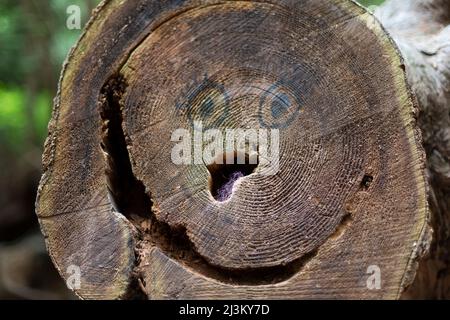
x=11, y=44
x=368, y=3
x=25, y=111
x=16, y=124
x=12, y=116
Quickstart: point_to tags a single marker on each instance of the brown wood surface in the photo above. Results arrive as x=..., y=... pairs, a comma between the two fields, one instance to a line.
x=351, y=190
x=422, y=31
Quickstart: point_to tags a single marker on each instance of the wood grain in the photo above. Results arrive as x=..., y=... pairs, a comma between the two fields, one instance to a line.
x=351, y=189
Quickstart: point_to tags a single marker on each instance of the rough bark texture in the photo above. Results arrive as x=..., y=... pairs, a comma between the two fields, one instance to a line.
x=351, y=191
x=422, y=31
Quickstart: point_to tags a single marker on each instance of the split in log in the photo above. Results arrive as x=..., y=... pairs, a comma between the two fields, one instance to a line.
x=350, y=195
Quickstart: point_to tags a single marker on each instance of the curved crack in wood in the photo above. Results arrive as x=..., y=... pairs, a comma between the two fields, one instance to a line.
x=351, y=201
x=131, y=199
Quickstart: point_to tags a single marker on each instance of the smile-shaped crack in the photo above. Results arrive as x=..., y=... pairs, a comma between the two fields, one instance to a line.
x=131, y=200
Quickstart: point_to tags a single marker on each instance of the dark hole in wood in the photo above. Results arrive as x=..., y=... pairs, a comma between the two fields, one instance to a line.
x=366, y=181
x=224, y=175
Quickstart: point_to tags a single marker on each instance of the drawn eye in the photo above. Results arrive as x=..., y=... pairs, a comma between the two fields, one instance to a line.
x=208, y=103
x=278, y=107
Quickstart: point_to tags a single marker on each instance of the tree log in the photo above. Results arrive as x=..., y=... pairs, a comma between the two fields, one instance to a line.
x=422, y=31
x=345, y=216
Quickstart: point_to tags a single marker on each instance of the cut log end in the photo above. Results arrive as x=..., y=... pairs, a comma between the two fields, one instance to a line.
x=345, y=195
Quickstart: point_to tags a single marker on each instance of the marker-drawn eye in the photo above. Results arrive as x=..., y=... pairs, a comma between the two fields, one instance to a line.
x=209, y=103
x=278, y=107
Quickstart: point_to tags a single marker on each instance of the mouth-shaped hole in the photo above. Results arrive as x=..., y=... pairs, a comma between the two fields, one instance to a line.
x=225, y=174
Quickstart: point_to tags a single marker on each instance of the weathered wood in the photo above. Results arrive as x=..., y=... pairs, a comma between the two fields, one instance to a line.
x=422, y=31
x=350, y=193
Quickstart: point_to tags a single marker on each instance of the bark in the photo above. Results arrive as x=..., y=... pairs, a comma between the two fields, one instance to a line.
x=349, y=200
x=422, y=31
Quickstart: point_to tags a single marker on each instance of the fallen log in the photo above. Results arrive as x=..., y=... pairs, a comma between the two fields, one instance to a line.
x=343, y=215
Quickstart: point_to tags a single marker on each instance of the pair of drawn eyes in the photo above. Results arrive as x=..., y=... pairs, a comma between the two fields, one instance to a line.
x=210, y=102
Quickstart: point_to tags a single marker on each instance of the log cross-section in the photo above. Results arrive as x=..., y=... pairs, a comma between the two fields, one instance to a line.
x=348, y=201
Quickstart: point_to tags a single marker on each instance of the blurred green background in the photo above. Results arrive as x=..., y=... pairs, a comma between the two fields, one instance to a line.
x=34, y=41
